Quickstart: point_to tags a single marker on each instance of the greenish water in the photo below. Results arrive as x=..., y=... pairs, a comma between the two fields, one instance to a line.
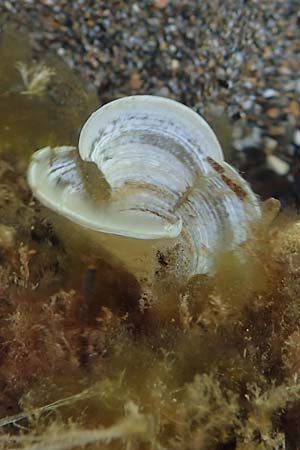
x=42, y=109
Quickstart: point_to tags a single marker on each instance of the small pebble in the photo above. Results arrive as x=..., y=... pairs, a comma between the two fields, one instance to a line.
x=175, y=64
x=163, y=92
x=273, y=113
x=247, y=104
x=270, y=93
x=271, y=144
x=276, y=130
x=253, y=140
x=161, y=4
x=294, y=108
x=297, y=137
x=277, y=165
x=135, y=81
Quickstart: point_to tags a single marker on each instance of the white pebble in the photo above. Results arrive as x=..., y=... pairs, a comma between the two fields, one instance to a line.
x=270, y=93
x=297, y=137
x=278, y=165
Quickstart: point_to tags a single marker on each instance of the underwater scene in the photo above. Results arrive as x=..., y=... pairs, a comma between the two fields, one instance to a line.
x=149, y=225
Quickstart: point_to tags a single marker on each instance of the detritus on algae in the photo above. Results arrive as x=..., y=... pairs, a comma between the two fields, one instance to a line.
x=86, y=359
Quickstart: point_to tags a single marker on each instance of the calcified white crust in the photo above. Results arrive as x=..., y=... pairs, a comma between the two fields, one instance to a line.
x=166, y=176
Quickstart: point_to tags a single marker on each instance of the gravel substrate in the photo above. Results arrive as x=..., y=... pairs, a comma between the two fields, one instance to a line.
x=237, y=62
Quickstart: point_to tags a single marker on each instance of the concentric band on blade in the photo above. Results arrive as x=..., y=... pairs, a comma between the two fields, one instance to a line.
x=56, y=181
x=191, y=126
